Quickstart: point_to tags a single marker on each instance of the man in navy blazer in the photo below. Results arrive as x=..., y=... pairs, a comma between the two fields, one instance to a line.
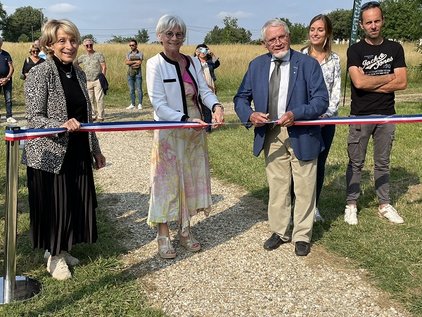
x=290, y=151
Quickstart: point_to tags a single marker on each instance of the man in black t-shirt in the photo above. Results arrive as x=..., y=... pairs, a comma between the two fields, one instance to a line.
x=6, y=72
x=377, y=69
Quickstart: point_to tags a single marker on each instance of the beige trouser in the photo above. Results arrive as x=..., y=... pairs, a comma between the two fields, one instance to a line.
x=282, y=167
x=96, y=96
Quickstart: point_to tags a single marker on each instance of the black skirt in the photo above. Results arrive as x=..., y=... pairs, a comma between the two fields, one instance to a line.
x=62, y=206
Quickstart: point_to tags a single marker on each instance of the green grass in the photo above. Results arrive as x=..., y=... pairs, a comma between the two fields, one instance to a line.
x=103, y=287
x=391, y=253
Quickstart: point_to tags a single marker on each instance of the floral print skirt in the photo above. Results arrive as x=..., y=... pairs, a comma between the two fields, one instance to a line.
x=180, y=179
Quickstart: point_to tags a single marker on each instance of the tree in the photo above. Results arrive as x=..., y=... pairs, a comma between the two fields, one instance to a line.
x=119, y=39
x=298, y=31
x=3, y=16
x=25, y=21
x=402, y=19
x=142, y=36
x=231, y=33
x=342, y=23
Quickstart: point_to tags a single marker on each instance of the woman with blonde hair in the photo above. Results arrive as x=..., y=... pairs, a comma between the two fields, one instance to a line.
x=32, y=60
x=61, y=191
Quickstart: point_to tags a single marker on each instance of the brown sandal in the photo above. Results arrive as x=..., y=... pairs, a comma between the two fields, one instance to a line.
x=189, y=242
x=165, y=249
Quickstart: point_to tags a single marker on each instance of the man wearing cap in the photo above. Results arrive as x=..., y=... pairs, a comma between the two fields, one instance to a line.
x=94, y=65
x=6, y=72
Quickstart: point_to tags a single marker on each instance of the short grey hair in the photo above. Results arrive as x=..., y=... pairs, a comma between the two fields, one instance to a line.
x=168, y=22
x=273, y=22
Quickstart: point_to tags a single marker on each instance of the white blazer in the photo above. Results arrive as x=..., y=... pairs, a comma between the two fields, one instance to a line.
x=166, y=90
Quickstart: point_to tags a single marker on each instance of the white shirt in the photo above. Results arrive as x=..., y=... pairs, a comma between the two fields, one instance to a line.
x=284, y=84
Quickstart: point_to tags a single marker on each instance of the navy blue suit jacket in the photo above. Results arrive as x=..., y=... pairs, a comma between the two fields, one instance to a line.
x=307, y=98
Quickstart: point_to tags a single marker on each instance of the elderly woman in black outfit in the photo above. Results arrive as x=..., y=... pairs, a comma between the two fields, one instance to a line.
x=62, y=198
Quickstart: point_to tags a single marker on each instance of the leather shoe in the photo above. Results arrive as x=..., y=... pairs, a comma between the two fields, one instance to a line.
x=302, y=248
x=273, y=242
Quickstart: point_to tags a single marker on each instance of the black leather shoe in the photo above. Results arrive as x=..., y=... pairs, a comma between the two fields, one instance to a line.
x=302, y=248
x=273, y=242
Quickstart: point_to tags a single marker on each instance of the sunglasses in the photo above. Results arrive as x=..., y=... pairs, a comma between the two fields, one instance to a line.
x=370, y=4
x=88, y=45
x=35, y=51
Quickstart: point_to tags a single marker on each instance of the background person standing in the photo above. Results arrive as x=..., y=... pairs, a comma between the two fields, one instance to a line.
x=94, y=64
x=377, y=69
x=320, y=34
x=134, y=73
x=6, y=72
x=209, y=62
x=32, y=60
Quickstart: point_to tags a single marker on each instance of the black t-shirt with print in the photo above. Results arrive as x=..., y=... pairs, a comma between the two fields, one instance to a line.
x=375, y=60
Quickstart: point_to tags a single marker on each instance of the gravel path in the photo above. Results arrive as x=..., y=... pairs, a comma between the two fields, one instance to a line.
x=233, y=275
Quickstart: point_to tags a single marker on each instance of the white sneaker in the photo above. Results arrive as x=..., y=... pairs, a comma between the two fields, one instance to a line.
x=11, y=120
x=57, y=267
x=70, y=260
x=318, y=216
x=390, y=213
x=140, y=106
x=351, y=215
x=130, y=107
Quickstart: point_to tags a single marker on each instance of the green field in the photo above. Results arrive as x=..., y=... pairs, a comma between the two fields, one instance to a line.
x=391, y=254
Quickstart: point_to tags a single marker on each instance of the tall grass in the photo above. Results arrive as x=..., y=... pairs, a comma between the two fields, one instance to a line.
x=234, y=62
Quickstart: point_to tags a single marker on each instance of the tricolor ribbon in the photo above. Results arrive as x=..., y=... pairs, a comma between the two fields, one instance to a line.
x=26, y=134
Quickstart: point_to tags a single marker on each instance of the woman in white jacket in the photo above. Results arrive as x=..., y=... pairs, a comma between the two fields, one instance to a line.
x=180, y=180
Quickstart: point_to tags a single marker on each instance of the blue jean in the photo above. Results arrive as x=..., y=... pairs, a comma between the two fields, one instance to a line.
x=357, y=144
x=135, y=83
x=327, y=133
x=7, y=92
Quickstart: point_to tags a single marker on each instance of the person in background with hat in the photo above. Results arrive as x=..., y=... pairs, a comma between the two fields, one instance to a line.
x=94, y=65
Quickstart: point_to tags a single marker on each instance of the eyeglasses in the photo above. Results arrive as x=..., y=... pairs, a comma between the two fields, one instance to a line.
x=370, y=4
x=280, y=39
x=170, y=34
x=35, y=51
x=88, y=45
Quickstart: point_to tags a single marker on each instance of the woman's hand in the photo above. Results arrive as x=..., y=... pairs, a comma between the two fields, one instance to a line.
x=217, y=116
x=202, y=123
x=100, y=161
x=71, y=125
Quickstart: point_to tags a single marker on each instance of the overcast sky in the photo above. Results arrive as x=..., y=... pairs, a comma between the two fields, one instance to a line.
x=105, y=18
